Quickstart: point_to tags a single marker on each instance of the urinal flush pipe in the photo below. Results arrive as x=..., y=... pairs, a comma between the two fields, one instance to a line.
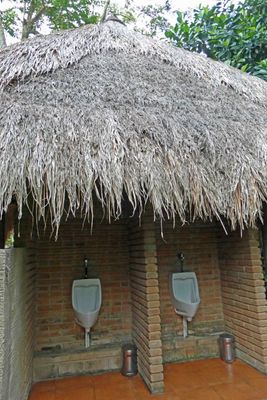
x=180, y=257
x=87, y=338
x=185, y=327
x=85, y=267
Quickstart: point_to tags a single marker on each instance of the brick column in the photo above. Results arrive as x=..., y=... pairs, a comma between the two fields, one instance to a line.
x=145, y=302
x=243, y=294
x=2, y=321
x=17, y=277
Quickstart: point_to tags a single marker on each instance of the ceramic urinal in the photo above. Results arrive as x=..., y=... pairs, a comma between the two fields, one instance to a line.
x=86, y=303
x=184, y=295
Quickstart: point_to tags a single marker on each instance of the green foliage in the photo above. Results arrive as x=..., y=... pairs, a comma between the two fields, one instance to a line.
x=65, y=14
x=26, y=17
x=9, y=21
x=235, y=34
x=29, y=17
x=126, y=14
x=157, y=20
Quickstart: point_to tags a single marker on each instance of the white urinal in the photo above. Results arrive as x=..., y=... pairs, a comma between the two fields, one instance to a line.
x=86, y=303
x=184, y=295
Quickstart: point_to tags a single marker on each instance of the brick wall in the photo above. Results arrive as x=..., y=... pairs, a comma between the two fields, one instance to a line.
x=95, y=360
x=60, y=262
x=17, y=319
x=198, y=242
x=146, y=302
x=2, y=318
x=111, y=249
x=244, y=301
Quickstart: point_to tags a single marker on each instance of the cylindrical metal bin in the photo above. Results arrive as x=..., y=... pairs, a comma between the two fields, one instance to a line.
x=227, y=347
x=129, y=360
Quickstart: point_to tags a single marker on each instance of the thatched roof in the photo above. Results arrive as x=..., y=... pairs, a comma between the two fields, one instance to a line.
x=105, y=110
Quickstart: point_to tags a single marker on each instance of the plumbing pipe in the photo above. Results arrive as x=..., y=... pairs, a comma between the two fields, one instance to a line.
x=87, y=338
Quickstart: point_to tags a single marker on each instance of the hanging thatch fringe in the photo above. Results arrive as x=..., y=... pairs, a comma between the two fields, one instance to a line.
x=108, y=111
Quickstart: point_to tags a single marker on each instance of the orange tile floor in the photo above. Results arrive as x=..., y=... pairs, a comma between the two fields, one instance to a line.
x=197, y=380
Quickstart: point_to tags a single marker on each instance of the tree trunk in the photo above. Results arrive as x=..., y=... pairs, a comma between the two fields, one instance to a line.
x=104, y=15
x=25, y=30
x=2, y=34
x=30, y=21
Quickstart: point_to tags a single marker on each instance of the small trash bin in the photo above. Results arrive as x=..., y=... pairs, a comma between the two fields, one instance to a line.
x=227, y=347
x=129, y=360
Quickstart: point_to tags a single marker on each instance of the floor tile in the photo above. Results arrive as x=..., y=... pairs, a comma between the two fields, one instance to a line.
x=202, y=394
x=74, y=382
x=42, y=396
x=198, y=380
x=236, y=391
x=45, y=386
x=248, y=372
x=220, y=374
x=258, y=383
x=118, y=391
x=184, y=381
x=260, y=386
x=115, y=377
x=73, y=394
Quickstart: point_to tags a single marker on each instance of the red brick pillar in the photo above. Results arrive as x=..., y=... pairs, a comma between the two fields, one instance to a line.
x=243, y=295
x=145, y=302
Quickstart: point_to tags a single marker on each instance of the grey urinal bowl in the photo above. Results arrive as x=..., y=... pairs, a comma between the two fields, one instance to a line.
x=86, y=301
x=184, y=293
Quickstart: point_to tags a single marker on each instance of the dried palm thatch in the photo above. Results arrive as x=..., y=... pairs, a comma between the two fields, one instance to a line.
x=108, y=111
